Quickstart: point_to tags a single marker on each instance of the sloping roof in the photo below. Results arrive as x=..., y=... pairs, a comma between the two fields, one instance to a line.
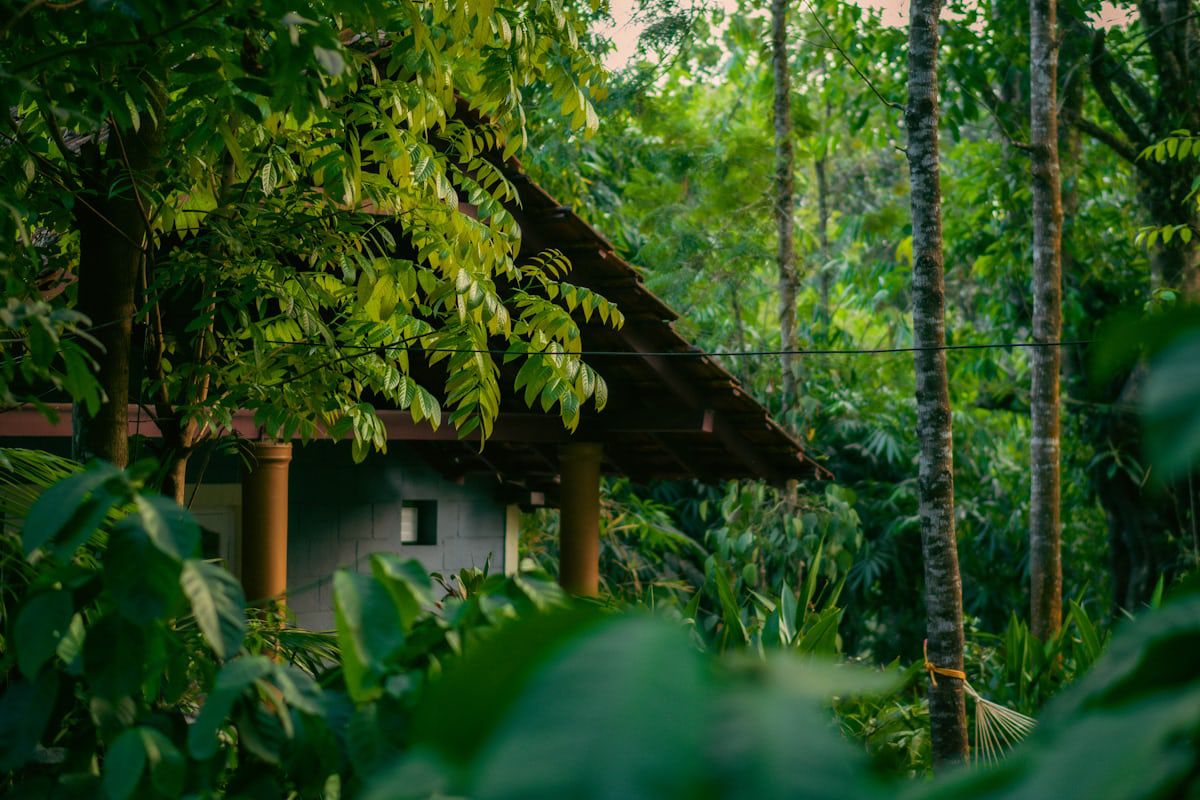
x=673, y=411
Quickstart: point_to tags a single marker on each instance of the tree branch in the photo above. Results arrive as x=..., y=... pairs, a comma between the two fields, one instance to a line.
x=1102, y=80
x=147, y=39
x=892, y=104
x=1169, y=69
x=992, y=104
x=1118, y=145
x=1129, y=85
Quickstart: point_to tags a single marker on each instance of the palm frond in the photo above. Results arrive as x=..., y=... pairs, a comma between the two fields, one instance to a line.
x=25, y=474
x=997, y=728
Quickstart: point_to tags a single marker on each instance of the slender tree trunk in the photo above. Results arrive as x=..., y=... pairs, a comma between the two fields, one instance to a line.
x=112, y=243
x=739, y=331
x=1045, y=527
x=784, y=194
x=824, y=281
x=175, y=479
x=111, y=234
x=180, y=433
x=1070, y=148
x=943, y=585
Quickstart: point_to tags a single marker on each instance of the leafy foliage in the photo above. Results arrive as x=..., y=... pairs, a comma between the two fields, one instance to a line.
x=131, y=668
x=426, y=696
x=328, y=229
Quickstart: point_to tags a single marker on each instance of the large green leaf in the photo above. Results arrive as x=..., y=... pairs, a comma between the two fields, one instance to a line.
x=621, y=712
x=613, y=707
x=71, y=509
x=407, y=581
x=772, y=739
x=370, y=631
x=124, y=764
x=167, y=767
x=40, y=626
x=235, y=677
x=820, y=638
x=114, y=657
x=1171, y=408
x=169, y=525
x=482, y=687
x=25, y=710
x=731, y=613
x=217, y=603
x=142, y=579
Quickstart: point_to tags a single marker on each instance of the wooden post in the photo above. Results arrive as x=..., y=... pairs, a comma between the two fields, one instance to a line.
x=265, y=521
x=579, y=520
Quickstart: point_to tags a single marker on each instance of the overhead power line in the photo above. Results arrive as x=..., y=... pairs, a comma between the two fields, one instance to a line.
x=412, y=346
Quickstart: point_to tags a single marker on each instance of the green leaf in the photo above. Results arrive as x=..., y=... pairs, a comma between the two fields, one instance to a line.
x=821, y=636
x=429, y=408
x=788, y=611
x=407, y=581
x=167, y=766
x=115, y=673
x=731, y=614
x=634, y=668
x=775, y=740
x=369, y=631
x=71, y=508
x=41, y=624
x=124, y=764
x=234, y=678
x=810, y=579
x=70, y=646
x=267, y=176
x=1171, y=408
x=142, y=579
x=298, y=688
x=217, y=603
x=169, y=525
x=1088, y=634
x=25, y=710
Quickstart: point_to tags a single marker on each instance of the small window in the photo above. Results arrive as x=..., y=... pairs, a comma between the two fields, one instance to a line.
x=418, y=522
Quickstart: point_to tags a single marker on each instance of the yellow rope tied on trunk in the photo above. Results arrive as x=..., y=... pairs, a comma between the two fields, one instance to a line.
x=934, y=670
x=996, y=728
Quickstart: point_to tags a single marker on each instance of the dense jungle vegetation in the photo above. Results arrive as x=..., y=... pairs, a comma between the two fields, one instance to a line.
x=957, y=259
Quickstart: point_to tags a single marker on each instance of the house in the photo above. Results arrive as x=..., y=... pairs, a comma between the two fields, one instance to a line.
x=303, y=511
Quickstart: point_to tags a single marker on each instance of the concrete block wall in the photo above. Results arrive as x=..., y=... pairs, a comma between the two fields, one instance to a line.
x=340, y=513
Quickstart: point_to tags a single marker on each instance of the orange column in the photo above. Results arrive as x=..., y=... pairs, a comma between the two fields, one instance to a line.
x=579, y=518
x=265, y=521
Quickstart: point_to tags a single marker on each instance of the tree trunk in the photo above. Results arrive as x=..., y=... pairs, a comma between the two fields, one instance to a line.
x=1045, y=528
x=113, y=239
x=175, y=478
x=111, y=234
x=1070, y=148
x=784, y=193
x=824, y=280
x=739, y=333
x=943, y=585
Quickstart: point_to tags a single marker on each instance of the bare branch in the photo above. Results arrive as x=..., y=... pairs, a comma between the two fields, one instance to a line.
x=992, y=104
x=1118, y=145
x=892, y=104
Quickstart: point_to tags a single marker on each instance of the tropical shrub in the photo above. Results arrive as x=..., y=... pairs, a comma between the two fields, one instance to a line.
x=131, y=670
